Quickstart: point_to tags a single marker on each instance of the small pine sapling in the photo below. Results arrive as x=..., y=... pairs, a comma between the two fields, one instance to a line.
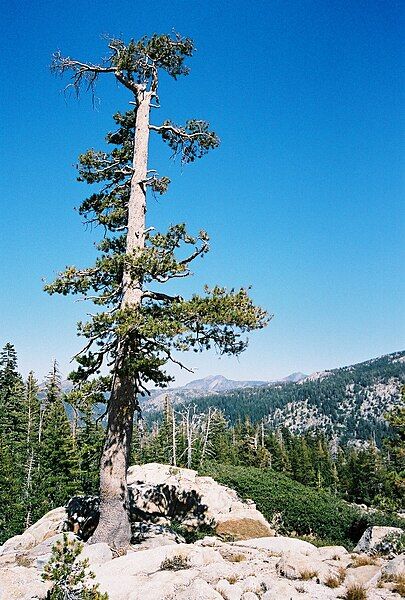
x=69, y=575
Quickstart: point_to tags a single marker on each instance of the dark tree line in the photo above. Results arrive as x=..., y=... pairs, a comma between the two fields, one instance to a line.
x=44, y=457
x=359, y=473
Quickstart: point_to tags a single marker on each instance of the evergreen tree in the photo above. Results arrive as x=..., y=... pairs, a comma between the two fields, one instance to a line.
x=220, y=446
x=33, y=411
x=166, y=441
x=394, y=448
x=12, y=510
x=141, y=327
x=9, y=375
x=84, y=402
x=13, y=420
x=89, y=445
x=395, y=445
x=279, y=458
x=56, y=477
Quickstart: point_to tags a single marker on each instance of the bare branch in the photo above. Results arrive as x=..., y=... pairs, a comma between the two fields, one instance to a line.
x=198, y=252
x=179, y=131
x=160, y=296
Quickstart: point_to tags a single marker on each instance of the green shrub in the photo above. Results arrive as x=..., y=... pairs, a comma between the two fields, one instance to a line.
x=68, y=574
x=191, y=535
x=175, y=563
x=305, y=511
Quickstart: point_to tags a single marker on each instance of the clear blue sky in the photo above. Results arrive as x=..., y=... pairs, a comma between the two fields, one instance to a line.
x=302, y=200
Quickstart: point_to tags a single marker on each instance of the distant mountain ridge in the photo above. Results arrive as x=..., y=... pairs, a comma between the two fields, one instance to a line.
x=207, y=386
x=347, y=403
x=220, y=383
x=212, y=384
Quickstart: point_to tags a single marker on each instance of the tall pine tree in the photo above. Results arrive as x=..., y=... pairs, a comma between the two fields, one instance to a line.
x=138, y=327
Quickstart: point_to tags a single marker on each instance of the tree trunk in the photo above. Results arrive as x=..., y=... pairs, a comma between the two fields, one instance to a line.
x=75, y=420
x=174, y=459
x=114, y=525
x=189, y=436
x=206, y=437
x=28, y=489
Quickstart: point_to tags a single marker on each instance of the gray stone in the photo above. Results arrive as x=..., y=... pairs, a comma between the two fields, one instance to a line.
x=282, y=590
x=337, y=553
x=252, y=584
x=50, y=525
x=379, y=540
x=156, y=488
x=279, y=545
x=148, y=535
x=362, y=575
x=395, y=567
x=97, y=554
x=21, y=583
x=200, y=590
x=41, y=561
x=229, y=591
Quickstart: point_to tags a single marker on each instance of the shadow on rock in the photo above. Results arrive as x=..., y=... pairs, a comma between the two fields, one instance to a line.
x=152, y=510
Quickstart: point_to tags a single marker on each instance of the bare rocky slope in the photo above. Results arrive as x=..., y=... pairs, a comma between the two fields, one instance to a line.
x=245, y=561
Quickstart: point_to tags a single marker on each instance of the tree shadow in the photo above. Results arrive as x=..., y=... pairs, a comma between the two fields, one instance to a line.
x=82, y=516
x=149, y=505
x=153, y=503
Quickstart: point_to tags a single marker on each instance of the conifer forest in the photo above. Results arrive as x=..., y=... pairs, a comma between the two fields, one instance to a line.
x=51, y=444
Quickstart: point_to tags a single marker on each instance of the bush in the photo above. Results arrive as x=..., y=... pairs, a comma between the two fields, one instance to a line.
x=334, y=581
x=175, y=563
x=355, y=592
x=397, y=581
x=68, y=574
x=304, y=511
x=306, y=575
x=191, y=535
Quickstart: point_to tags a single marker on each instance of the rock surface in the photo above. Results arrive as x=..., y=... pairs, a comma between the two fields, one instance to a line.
x=379, y=540
x=272, y=568
x=280, y=544
x=50, y=525
x=21, y=583
x=161, y=493
x=395, y=567
x=162, y=567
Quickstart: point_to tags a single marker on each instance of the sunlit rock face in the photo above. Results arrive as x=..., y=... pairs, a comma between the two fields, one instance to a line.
x=159, y=565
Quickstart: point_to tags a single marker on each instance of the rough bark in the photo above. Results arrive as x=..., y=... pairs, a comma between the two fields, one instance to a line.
x=114, y=525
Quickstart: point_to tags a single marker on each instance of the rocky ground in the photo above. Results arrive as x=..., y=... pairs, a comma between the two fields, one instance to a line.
x=270, y=567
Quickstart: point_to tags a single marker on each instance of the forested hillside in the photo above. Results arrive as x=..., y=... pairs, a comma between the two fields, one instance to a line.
x=347, y=403
x=50, y=442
